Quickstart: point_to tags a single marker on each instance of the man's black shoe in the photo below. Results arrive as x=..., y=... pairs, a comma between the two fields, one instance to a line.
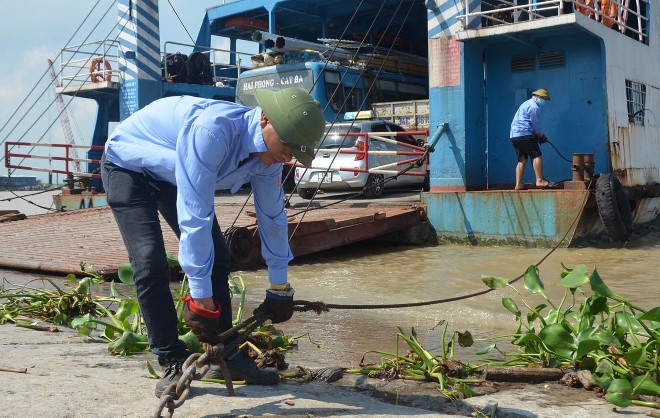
x=172, y=374
x=242, y=367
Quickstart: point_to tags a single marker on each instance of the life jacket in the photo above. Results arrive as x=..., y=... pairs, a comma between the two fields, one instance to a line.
x=585, y=10
x=608, y=10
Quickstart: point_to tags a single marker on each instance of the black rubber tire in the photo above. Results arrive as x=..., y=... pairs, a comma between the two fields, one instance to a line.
x=306, y=193
x=426, y=186
x=613, y=207
x=374, y=187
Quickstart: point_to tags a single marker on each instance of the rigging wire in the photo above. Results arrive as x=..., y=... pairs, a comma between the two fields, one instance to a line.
x=334, y=49
x=46, y=72
x=72, y=96
x=371, y=86
x=364, y=99
x=181, y=21
x=48, y=89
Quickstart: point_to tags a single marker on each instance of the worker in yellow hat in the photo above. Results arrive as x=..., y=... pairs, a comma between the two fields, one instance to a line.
x=526, y=136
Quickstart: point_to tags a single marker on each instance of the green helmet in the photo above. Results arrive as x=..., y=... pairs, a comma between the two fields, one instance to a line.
x=542, y=93
x=297, y=119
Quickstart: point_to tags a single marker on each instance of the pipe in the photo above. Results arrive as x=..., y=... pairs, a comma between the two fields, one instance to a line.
x=436, y=136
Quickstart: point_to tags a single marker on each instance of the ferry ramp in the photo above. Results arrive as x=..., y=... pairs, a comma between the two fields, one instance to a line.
x=59, y=243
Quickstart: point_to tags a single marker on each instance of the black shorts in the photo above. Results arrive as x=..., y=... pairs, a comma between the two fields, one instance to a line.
x=526, y=146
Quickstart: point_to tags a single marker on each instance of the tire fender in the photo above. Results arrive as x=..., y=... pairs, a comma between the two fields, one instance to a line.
x=613, y=207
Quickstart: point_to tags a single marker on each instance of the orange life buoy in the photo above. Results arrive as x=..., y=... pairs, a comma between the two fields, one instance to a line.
x=609, y=12
x=97, y=73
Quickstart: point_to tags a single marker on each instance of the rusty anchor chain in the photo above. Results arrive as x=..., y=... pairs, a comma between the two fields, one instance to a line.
x=198, y=364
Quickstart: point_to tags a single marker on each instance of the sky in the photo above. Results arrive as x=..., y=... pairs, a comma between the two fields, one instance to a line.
x=31, y=31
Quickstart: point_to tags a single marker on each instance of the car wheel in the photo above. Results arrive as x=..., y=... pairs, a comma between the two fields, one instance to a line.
x=374, y=186
x=306, y=193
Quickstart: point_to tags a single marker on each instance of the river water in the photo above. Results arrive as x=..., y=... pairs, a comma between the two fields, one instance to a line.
x=374, y=273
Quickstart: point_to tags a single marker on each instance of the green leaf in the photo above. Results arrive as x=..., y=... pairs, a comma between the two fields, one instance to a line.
x=607, y=338
x=576, y=278
x=530, y=337
x=636, y=356
x=555, y=316
x=125, y=273
x=126, y=308
x=598, y=305
x=588, y=363
x=557, y=340
x=495, y=282
x=81, y=321
x=465, y=339
x=172, y=261
x=644, y=385
x=585, y=347
x=152, y=372
x=510, y=304
x=191, y=342
x=604, y=368
x=429, y=361
x=532, y=280
x=598, y=286
x=585, y=334
x=129, y=342
x=487, y=349
x=652, y=315
x=627, y=322
x=620, y=393
x=114, y=292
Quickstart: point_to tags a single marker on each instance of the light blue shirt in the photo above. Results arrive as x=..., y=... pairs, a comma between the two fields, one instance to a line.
x=197, y=144
x=526, y=120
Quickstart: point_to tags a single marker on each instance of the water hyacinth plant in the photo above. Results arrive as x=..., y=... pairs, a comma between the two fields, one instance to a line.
x=599, y=331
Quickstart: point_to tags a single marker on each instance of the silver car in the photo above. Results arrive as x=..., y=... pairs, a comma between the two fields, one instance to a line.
x=332, y=170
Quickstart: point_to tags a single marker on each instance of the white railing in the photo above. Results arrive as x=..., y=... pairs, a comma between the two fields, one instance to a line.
x=98, y=62
x=89, y=62
x=626, y=16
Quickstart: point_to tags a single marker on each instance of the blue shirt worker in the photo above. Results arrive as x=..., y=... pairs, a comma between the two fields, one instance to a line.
x=169, y=158
x=526, y=136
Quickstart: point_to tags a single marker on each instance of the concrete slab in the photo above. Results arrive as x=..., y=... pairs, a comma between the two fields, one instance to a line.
x=67, y=377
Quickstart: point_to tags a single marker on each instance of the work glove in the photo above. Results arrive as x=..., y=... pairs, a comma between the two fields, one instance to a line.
x=202, y=322
x=278, y=303
x=543, y=139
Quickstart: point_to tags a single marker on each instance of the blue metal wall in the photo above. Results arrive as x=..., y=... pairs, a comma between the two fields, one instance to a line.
x=574, y=120
x=476, y=153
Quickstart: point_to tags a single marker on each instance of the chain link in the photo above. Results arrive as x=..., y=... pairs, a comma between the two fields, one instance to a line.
x=198, y=364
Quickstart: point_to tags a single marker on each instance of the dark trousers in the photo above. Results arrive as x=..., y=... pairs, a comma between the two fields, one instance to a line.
x=136, y=200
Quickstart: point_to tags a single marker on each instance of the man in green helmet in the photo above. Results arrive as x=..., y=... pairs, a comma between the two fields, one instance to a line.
x=169, y=158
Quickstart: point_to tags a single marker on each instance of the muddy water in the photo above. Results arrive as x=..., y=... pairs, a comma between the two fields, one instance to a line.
x=365, y=274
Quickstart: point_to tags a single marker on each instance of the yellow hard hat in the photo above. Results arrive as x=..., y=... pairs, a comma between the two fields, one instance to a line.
x=542, y=93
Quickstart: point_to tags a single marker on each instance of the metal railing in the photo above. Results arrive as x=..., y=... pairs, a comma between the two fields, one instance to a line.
x=408, y=153
x=98, y=61
x=44, y=152
x=95, y=61
x=626, y=16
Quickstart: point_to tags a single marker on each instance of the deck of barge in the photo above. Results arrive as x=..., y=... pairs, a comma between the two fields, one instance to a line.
x=59, y=242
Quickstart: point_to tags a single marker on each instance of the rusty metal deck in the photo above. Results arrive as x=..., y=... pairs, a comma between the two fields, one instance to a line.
x=60, y=242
